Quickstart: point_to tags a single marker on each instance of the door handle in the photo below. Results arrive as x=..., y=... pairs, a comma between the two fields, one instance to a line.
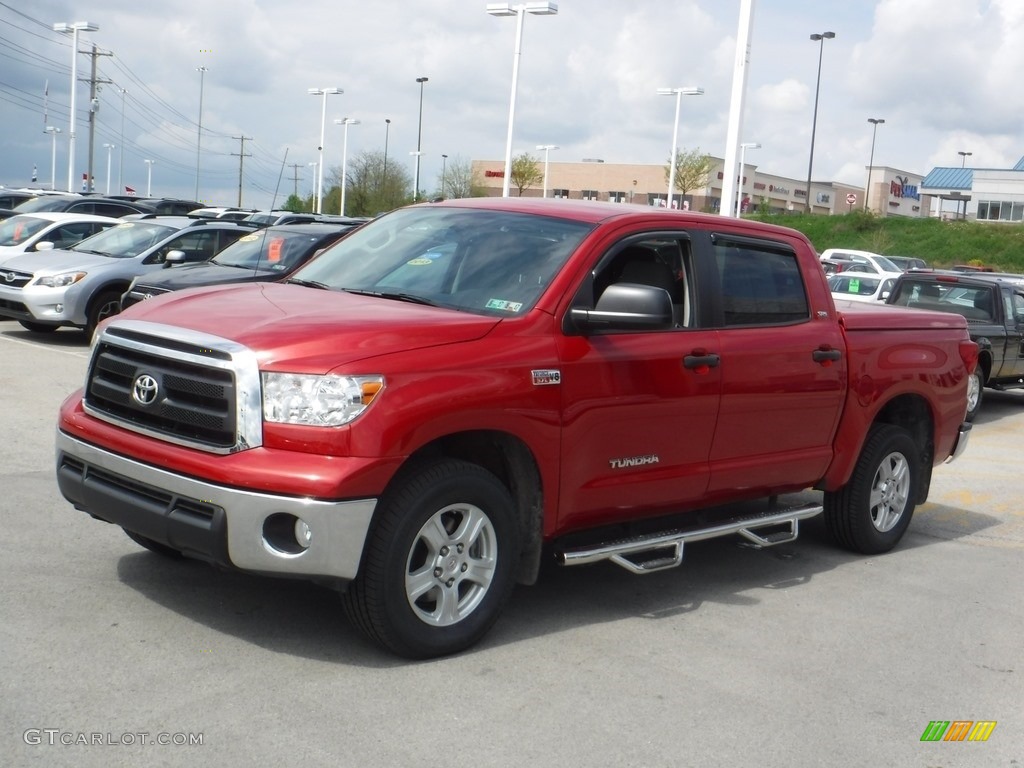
x=701, y=361
x=826, y=355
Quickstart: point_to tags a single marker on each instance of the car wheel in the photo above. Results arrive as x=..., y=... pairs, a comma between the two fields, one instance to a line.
x=872, y=512
x=153, y=546
x=975, y=388
x=439, y=563
x=107, y=304
x=37, y=327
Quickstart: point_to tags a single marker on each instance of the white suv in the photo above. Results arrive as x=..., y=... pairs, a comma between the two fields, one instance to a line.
x=860, y=261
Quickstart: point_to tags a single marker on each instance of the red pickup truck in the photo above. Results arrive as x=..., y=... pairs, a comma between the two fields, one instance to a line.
x=457, y=391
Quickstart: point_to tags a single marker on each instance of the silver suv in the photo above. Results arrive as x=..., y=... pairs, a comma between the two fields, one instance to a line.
x=82, y=285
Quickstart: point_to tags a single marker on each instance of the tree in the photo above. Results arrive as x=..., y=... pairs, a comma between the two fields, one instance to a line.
x=525, y=172
x=459, y=180
x=294, y=204
x=368, y=191
x=692, y=167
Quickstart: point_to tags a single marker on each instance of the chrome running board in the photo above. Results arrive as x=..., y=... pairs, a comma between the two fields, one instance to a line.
x=661, y=551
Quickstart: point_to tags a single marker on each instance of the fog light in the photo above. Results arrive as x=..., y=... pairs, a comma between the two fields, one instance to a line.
x=302, y=533
x=286, y=535
x=59, y=309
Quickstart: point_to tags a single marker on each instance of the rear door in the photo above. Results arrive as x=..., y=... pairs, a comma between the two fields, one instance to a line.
x=783, y=371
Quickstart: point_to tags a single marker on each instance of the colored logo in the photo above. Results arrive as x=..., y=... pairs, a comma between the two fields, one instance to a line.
x=958, y=730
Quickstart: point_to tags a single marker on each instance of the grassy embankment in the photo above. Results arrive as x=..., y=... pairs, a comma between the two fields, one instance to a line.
x=940, y=243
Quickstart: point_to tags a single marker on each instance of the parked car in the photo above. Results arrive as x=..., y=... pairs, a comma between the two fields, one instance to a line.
x=270, y=254
x=993, y=304
x=82, y=285
x=862, y=286
x=46, y=231
x=908, y=262
x=12, y=197
x=222, y=212
x=860, y=261
x=100, y=206
x=165, y=206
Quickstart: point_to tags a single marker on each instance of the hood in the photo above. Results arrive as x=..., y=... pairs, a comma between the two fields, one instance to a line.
x=306, y=329
x=206, y=273
x=57, y=261
x=860, y=315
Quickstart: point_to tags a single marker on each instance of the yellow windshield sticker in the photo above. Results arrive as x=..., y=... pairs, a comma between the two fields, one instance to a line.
x=419, y=262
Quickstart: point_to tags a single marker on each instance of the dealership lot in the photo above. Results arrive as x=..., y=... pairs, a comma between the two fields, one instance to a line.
x=800, y=654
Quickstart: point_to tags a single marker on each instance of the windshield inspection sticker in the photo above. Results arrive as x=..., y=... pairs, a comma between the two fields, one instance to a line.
x=249, y=238
x=419, y=261
x=509, y=306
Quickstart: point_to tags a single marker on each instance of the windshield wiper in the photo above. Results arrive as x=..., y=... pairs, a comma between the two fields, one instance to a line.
x=309, y=284
x=395, y=296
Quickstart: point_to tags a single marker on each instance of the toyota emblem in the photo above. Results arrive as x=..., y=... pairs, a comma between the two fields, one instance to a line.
x=145, y=389
x=9, y=277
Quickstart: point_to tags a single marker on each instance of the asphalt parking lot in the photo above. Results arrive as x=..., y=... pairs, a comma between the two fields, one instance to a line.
x=798, y=655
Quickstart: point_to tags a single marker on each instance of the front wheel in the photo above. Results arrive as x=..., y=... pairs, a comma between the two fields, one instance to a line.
x=975, y=387
x=107, y=304
x=439, y=564
x=871, y=513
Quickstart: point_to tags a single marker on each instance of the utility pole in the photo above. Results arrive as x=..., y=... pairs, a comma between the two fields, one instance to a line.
x=94, y=104
x=241, y=158
x=295, y=170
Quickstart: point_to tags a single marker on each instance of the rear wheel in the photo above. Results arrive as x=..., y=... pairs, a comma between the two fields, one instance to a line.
x=975, y=388
x=872, y=512
x=37, y=327
x=438, y=566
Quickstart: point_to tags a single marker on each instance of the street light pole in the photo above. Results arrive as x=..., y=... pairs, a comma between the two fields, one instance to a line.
x=743, y=162
x=199, y=133
x=346, y=122
x=519, y=11
x=149, y=177
x=875, y=122
x=120, y=151
x=387, y=133
x=324, y=92
x=820, y=39
x=53, y=131
x=547, y=151
x=678, y=93
x=108, y=147
x=74, y=29
x=963, y=164
x=419, y=140
x=444, y=167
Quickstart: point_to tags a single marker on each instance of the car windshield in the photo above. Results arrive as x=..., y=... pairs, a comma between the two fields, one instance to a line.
x=854, y=285
x=43, y=203
x=125, y=241
x=489, y=262
x=17, y=229
x=272, y=250
x=886, y=265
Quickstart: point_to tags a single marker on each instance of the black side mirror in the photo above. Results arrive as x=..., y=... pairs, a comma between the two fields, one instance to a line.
x=626, y=307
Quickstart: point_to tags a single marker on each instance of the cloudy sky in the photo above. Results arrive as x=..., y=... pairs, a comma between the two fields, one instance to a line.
x=943, y=74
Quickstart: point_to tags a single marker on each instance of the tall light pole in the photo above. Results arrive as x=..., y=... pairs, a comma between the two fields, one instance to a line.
x=120, y=151
x=108, y=147
x=74, y=28
x=547, y=151
x=519, y=11
x=319, y=190
x=387, y=133
x=820, y=39
x=444, y=168
x=53, y=131
x=199, y=134
x=743, y=162
x=419, y=138
x=678, y=93
x=963, y=164
x=346, y=122
x=875, y=122
x=149, y=177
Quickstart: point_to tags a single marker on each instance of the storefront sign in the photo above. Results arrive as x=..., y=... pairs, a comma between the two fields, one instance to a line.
x=901, y=187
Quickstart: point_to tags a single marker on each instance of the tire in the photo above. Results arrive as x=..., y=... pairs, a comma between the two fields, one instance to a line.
x=871, y=513
x=975, y=390
x=106, y=304
x=37, y=327
x=439, y=563
x=153, y=546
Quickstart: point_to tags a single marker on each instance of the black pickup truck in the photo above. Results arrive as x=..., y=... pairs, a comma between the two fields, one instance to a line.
x=993, y=304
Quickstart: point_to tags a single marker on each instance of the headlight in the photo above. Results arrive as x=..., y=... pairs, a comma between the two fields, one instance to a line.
x=319, y=401
x=60, y=281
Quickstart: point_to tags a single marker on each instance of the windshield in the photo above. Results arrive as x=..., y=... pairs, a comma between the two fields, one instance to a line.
x=17, y=229
x=490, y=262
x=273, y=250
x=886, y=264
x=43, y=203
x=855, y=285
x=126, y=240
